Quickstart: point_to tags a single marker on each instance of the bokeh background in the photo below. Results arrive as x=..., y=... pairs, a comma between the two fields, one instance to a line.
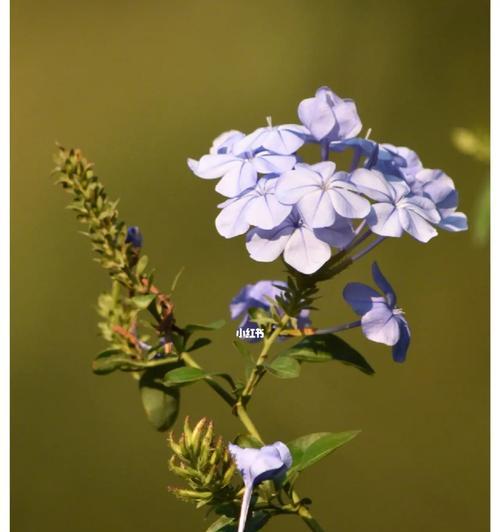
x=140, y=86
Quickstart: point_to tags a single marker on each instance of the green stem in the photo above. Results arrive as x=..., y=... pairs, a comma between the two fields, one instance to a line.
x=308, y=519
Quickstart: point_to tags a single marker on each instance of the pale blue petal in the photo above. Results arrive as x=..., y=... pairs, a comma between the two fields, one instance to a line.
x=373, y=184
x=339, y=235
x=317, y=116
x=231, y=221
x=348, y=204
x=237, y=179
x=417, y=226
x=267, y=245
x=384, y=220
x=380, y=325
x=305, y=252
x=266, y=212
x=286, y=139
x=269, y=163
x=316, y=208
x=295, y=184
x=215, y=166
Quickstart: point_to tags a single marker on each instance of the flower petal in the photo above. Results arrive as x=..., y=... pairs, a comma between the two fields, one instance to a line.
x=373, y=184
x=267, y=245
x=231, y=221
x=238, y=178
x=296, y=183
x=384, y=285
x=317, y=116
x=316, y=208
x=414, y=224
x=454, y=222
x=401, y=347
x=269, y=163
x=348, y=204
x=384, y=220
x=305, y=252
x=361, y=297
x=339, y=235
x=380, y=325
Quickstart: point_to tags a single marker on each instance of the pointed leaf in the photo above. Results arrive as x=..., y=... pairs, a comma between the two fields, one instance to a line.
x=143, y=301
x=307, y=450
x=161, y=404
x=192, y=327
x=199, y=343
x=184, y=375
x=284, y=367
x=327, y=347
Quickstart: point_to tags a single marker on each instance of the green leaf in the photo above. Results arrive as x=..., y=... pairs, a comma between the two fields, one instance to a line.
x=261, y=317
x=221, y=524
x=109, y=361
x=184, y=375
x=327, y=347
x=192, y=327
x=245, y=352
x=199, y=343
x=284, y=367
x=161, y=404
x=141, y=265
x=307, y=450
x=143, y=301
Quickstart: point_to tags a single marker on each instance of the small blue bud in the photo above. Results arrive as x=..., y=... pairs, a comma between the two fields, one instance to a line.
x=134, y=236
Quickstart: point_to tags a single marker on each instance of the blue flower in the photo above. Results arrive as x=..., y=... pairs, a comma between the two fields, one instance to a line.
x=257, y=296
x=396, y=209
x=271, y=462
x=329, y=117
x=304, y=248
x=321, y=194
x=256, y=206
x=232, y=159
x=381, y=320
x=134, y=236
x=439, y=187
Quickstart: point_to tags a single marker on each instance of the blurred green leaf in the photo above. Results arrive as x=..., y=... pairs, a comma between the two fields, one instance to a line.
x=141, y=265
x=109, y=361
x=221, y=525
x=247, y=356
x=184, y=375
x=161, y=404
x=284, y=367
x=143, y=301
x=192, y=327
x=307, y=450
x=481, y=228
x=325, y=348
x=199, y=343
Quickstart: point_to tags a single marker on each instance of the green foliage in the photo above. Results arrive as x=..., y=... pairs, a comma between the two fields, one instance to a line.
x=161, y=404
x=325, y=348
x=307, y=450
x=284, y=367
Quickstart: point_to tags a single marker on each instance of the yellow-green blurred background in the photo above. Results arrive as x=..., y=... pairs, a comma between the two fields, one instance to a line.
x=140, y=86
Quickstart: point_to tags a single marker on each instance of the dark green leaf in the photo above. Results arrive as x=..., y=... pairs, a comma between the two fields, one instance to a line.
x=327, y=347
x=284, y=367
x=307, y=450
x=192, y=327
x=161, y=404
x=199, y=343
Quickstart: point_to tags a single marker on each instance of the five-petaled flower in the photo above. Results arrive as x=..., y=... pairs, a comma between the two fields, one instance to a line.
x=270, y=462
x=381, y=320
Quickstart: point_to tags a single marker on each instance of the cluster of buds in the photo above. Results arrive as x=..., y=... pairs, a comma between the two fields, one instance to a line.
x=109, y=236
x=204, y=462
